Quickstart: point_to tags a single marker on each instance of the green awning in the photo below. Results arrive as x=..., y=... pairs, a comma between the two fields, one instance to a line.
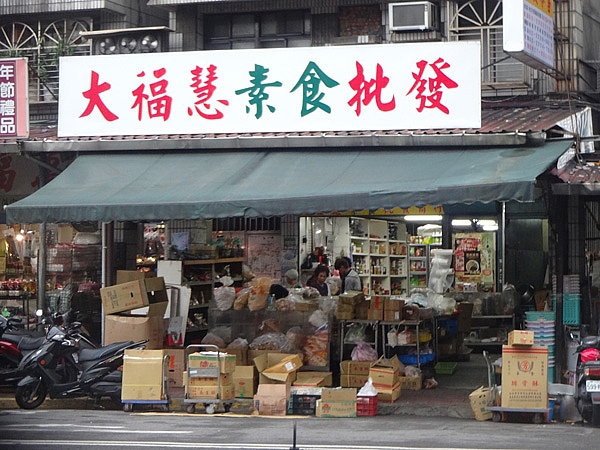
x=162, y=186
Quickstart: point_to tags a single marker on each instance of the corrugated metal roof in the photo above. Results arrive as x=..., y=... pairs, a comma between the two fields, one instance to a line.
x=519, y=118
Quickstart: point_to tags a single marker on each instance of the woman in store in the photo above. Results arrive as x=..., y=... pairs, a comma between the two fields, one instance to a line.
x=318, y=278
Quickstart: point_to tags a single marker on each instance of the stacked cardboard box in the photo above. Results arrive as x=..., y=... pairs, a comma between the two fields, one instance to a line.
x=524, y=372
x=347, y=302
x=337, y=402
x=143, y=375
x=210, y=375
x=244, y=381
x=385, y=374
x=277, y=368
x=392, y=309
x=376, y=306
x=354, y=373
x=134, y=309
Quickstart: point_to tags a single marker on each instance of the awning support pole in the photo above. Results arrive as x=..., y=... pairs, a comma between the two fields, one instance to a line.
x=41, y=264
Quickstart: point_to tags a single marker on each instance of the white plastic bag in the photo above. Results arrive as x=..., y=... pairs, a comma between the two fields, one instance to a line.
x=224, y=297
x=368, y=390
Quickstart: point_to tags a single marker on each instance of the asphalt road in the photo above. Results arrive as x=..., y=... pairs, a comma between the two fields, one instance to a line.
x=50, y=429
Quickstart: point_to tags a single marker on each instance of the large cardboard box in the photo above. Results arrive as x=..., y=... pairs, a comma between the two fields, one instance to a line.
x=143, y=372
x=244, y=381
x=224, y=379
x=212, y=360
x=133, y=294
x=353, y=380
x=125, y=276
x=411, y=383
x=524, y=377
x=337, y=403
x=211, y=392
x=351, y=297
x=385, y=372
x=135, y=328
x=241, y=355
x=272, y=399
x=176, y=366
x=375, y=314
x=392, y=316
x=520, y=338
x=308, y=378
x=378, y=302
x=480, y=400
x=274, y=367
x=355, y=367
x=393, y=304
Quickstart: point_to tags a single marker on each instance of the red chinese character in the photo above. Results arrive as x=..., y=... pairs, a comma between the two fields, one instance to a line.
x=433, y=97
x=160, y=103
x=93, y=95
x=7, y=175
x=370, y=89
x=204, y=91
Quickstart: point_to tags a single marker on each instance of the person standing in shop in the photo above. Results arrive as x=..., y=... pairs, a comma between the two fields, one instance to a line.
x=350, y=279
x=291, y=278
x=318, y=278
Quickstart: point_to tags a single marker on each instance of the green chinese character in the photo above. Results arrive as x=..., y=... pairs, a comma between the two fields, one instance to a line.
x=256, y=92
x=311, y=79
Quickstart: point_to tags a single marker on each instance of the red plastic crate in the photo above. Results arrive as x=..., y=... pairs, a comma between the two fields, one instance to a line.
x=366, y=406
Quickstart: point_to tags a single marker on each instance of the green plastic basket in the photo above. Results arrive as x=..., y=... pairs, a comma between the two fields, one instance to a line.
x=445, y=368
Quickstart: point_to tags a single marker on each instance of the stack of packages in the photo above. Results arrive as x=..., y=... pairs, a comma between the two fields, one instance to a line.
x=524, y=372
x=385, y=374
x=209, y=375
x=347, y=303
x=354, y=373
x=376, y=307
x=392, y=309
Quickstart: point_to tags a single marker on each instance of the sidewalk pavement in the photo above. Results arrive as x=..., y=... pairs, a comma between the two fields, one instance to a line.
x=449, y=399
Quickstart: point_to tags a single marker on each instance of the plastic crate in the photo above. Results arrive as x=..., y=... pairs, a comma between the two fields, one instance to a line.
x=445, y=368
x=448, y=327
x=571, y=312
x=533, y=316
x=303, y=404
x=366, y=405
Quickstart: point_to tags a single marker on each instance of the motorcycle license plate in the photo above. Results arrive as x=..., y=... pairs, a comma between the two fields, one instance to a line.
x=592, y=385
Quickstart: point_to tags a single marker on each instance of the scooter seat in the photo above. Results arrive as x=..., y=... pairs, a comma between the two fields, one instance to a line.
x=90, y=354
x=24, y=342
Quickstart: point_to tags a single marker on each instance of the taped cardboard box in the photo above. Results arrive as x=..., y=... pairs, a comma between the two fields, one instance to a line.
x=411, y=383
x=336, y=402
x=338, y=394
x=274, y=367
x=355, y=367
x=351, y=297
x=520, y=338
x=210, y=360
x=389, y=395
x=143, y=372
x=308, y=378
x=353, y=380
x=392, y=316
x=133, y=294
x=176, y=366
x=224, y=379
x=377, y=302
x=227, y=392
x=524, y=377
x=393, y=304
x=125, y=276
x=385, y=372
x=119, y=328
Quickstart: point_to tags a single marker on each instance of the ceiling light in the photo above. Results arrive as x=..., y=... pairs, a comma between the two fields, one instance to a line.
x=490, y=227
x=461, y=222
x=423, y=218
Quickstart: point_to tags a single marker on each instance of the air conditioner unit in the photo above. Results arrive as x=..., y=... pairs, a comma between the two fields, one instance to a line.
x=411, y=16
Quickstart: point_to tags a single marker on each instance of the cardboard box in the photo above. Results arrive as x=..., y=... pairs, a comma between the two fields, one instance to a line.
x=355, y=367
x=211, y=392
x=308, y=377
x=351, y=297
x=133, y=295
x=393, y=304
x=520, y=338
x=361, y=310
x=210, y=360
x=272, y=399
x=135, y=328
x=241, y=355
x=385, y=372
x=353, y=380
x=176, y=366
x=338, y=394
x=480, y=399
x=125, y=276
x=244, y=381
x=392, y=316
x=143, y=372
x=375, y=314
x=224, y=378
x=335, y=409
x=274, y=367
x=344, y=315
x=524, y=377
x=377, y=302
x=389, y=395
x=411, y=383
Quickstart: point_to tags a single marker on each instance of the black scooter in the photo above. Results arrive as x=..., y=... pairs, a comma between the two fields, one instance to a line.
x=587, y=376
x=61, y=370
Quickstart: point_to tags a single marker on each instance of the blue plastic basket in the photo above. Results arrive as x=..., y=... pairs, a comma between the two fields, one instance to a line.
x=411, y=360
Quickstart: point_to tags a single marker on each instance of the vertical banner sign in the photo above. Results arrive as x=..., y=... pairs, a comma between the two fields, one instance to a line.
x=14, y=109
x=528, y=31
x=361, y=87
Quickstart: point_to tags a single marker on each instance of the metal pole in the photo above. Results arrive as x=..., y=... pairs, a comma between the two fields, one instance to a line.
x=502, y=261
x=41, y=272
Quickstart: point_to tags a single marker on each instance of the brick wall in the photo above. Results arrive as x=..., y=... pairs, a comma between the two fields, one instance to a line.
x=360, y=20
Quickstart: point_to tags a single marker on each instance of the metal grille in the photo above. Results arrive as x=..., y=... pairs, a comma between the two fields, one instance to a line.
x=247, y=224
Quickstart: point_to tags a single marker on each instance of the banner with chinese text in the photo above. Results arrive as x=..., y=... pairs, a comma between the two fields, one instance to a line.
x=362, y=87
x=14, y=104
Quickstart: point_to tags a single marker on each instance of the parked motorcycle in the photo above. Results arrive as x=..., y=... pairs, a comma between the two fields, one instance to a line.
x=587, y=376
x=61, y=369
x=16, y=342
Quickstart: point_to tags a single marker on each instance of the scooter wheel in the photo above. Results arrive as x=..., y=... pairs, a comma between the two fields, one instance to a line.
x=191, y=409
x=31, y=395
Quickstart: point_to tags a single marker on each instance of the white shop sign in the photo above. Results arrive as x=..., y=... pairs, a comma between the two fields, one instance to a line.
x=363, y=87
x=528, y=31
